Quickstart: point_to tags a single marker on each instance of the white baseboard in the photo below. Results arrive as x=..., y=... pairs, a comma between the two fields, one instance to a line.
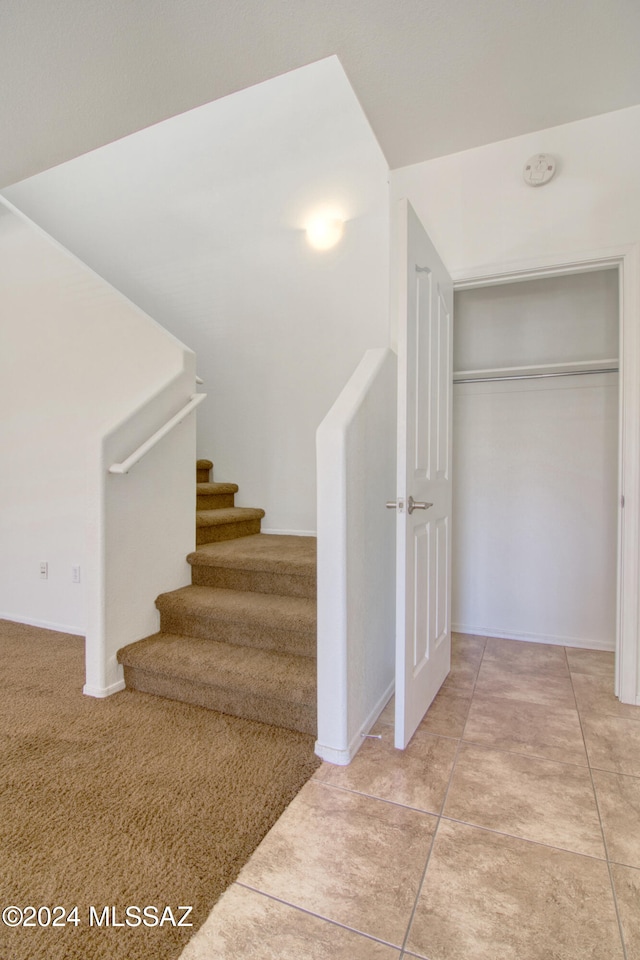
x=344, y=757
x=290, y=533
x=102, y=692
x=584, y=643
x=44, y=624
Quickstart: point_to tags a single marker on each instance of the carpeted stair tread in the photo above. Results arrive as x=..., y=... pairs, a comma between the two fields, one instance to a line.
x=215, y=518
x=212, y=489
x=301, y=717
x=262, y=563
x=215, y=496
x=203, y=470
x=262, y=673
x=262, y=551
x=272, y=613
x=291, y=612
x=227, y=523
x=255, y=684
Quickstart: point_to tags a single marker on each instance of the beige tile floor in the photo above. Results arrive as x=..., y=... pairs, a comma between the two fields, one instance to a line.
x=508, y=830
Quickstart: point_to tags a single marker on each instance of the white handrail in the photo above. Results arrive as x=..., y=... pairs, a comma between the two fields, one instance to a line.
x=125, y=466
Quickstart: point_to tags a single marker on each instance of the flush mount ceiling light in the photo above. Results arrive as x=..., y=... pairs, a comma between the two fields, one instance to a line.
x=324, y=232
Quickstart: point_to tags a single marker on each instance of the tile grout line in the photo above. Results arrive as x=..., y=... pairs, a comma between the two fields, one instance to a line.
x=604, y=839
x=520, y=838
x=479, y=826
x=612, y=716
x=440, y=815
x=317, y=916
x=374, y=796
x=517, y=753
x=337, y=923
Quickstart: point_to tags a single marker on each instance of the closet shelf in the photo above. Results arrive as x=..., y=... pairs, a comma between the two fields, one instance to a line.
x=531, y=372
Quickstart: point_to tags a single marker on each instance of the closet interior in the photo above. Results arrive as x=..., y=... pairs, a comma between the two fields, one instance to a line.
x=535, y=458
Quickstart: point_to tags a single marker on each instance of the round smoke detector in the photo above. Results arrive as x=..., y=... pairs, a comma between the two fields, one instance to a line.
x=539, y=169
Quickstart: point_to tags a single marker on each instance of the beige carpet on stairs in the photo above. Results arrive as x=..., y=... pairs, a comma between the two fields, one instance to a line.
x=129, y=801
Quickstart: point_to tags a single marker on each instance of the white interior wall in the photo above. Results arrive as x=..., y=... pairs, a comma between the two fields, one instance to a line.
x=536, y=464
x=564, y=319
x=75, y=356
x=479, y=212
x=199, y=220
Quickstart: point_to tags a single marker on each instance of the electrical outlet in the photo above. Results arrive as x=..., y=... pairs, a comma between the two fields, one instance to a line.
x=75, y=573
x=44, y=570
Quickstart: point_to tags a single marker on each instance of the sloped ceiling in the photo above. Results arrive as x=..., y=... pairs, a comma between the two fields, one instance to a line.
x=433, y=76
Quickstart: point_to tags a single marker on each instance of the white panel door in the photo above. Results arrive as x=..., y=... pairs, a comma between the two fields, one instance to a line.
x=423, y=495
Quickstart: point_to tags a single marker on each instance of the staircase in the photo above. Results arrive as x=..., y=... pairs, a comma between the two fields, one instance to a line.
x=242, y=638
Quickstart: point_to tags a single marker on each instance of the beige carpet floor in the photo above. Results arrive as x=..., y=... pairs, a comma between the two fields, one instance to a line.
x=131, y=801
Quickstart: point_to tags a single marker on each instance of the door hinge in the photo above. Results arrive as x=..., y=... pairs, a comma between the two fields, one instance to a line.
x=622, y=499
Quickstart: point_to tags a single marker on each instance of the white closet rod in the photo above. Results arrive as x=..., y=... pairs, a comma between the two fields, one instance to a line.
x=534, y=376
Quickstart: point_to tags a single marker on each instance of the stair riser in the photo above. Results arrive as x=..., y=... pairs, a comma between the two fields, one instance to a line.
x=299, y=717
x=226, y=531
x=214, y=501
x=255, y=581
x=301, y=643
x=202, y=476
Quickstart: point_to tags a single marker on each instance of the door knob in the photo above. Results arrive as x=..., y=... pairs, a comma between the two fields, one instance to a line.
x=417, y=505
x=411, y=505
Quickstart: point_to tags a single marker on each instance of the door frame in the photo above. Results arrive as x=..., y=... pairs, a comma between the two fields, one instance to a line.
x=626, y=259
